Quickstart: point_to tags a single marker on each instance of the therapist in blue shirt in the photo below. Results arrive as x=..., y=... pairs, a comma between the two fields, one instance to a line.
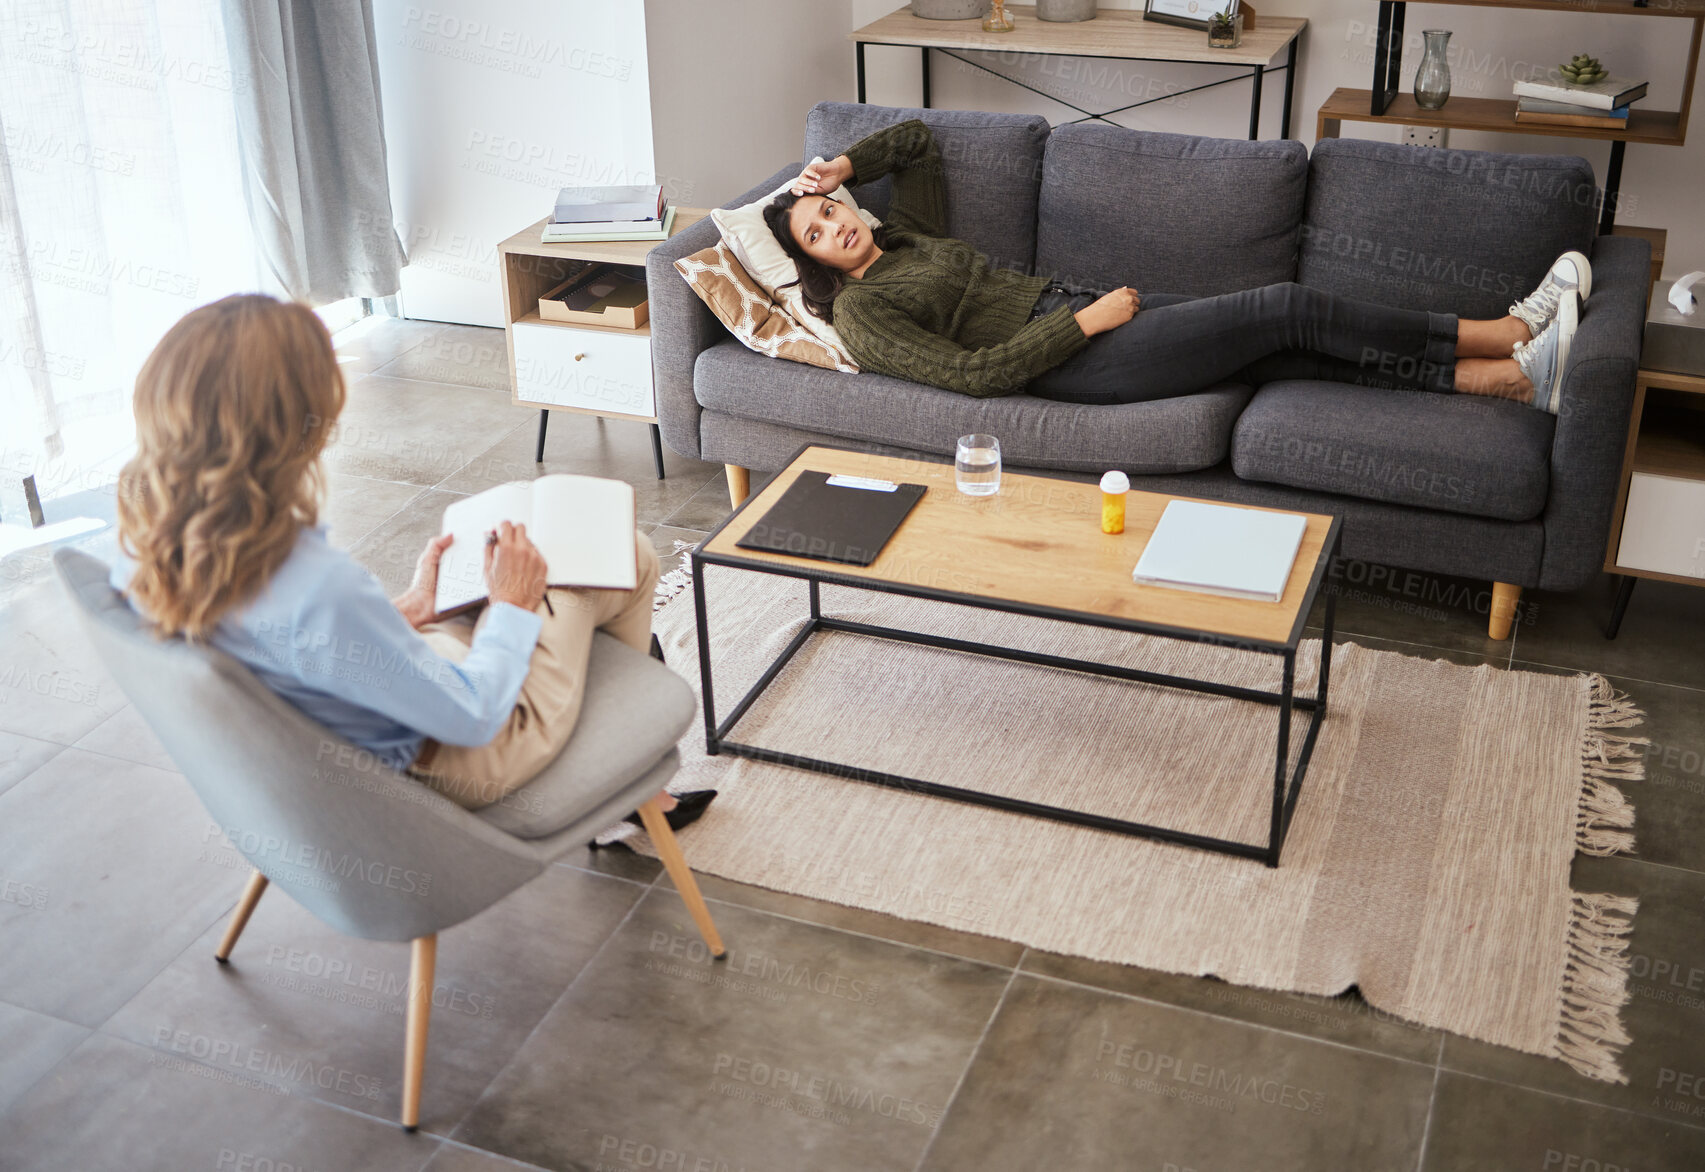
x=218, y=523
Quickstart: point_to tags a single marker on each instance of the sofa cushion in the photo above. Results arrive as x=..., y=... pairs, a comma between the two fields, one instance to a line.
x=993, y=164
x=1457, y=453
x=1169, y=435
x=1464, y=232
x=1168, y=213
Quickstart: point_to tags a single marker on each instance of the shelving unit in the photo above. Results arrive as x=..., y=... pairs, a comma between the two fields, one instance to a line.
x=1383, y=103
x=567, y=366
x=1658, y=528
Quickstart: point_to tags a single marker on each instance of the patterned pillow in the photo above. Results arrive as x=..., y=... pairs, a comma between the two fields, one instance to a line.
x=750, y=315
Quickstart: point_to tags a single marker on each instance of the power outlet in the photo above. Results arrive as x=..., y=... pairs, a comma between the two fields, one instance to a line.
x=1426, y=136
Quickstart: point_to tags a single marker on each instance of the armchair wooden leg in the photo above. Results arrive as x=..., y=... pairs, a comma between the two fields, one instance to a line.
x=663, y=838
x=423, y=959
x=240, y=917
x=1505, y=599
x=739, y=483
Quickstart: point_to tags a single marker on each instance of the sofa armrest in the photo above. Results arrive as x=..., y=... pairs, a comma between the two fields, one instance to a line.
x=1592, y=416
x=682, y=327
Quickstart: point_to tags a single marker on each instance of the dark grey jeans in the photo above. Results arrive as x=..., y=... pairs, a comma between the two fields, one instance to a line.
x=1177, y=345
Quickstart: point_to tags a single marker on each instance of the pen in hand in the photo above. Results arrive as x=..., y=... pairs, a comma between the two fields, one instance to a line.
x=490, y=541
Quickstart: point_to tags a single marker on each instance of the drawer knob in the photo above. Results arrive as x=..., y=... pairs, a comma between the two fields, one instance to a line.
x=578, y=357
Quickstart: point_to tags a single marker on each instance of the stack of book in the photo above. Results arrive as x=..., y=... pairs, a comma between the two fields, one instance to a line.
x=1602, y=104
x=631, y=212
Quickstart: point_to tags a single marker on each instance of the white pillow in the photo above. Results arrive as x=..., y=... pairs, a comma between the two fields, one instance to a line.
x=761, y=255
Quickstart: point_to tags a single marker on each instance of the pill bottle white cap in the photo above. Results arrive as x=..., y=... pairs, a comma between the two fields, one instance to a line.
x=1115, y=482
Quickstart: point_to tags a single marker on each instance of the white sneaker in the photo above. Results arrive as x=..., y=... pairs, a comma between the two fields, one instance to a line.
x=1571, y=270
x=1545, y=359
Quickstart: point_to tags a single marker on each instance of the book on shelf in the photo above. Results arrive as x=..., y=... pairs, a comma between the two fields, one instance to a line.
x=584, y=525
x=582, y=234
x=1541, y=106
x=1584, y=116
x=635, y=201
x=1604, y=95
x=1227, y=550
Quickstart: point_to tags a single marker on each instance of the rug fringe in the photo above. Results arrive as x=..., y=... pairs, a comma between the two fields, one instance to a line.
x=1603, y=816
x=1590, y=1036
x=675, y=580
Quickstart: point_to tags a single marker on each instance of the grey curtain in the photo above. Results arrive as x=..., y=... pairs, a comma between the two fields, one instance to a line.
x=313, y=145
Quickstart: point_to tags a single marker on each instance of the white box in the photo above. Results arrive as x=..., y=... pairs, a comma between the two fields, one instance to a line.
x=1663, y=528
x=599, y=370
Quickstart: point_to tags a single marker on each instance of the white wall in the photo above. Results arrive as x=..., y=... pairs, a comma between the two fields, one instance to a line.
x=489, y=110
x=729, y=90
x=731, y=83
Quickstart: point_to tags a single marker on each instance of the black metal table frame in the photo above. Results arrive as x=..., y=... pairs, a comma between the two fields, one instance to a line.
x=1388, y=65
x=1284, y=793
x=1255, y=75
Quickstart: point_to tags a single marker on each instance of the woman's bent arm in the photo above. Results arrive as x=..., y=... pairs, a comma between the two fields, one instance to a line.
x=375, y=660
x=907, y=151
x=884, y=340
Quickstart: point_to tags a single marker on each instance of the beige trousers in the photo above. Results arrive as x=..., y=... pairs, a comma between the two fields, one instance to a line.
x=549, y=703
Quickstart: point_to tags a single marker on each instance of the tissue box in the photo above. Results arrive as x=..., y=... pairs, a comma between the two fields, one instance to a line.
x=1674, y=341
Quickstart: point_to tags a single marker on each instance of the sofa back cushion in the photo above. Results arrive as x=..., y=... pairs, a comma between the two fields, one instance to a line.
x=1464, y=232
x=993, y=164
x=1169, y=213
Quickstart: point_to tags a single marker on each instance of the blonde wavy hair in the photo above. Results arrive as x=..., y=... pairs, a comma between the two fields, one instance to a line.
x=233, y=409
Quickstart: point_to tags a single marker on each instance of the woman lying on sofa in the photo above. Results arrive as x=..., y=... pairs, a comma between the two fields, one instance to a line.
x=912, y=302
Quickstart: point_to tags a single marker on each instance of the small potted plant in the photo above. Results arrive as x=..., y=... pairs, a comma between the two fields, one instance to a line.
x=1225, y=30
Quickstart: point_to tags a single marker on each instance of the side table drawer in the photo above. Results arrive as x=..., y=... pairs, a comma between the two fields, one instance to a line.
x=1663, y=528
x=594, y=369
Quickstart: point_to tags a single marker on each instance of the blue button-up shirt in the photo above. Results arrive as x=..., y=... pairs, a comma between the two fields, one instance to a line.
x=323, y=635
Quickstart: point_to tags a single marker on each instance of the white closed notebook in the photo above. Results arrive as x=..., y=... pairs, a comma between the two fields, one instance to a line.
x=1222, y=549
x=584, y=525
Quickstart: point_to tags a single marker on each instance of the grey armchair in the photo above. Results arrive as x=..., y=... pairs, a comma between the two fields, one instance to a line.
x=372, y=852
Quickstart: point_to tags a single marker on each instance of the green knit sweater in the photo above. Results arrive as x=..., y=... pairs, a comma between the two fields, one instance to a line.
x=931, y=309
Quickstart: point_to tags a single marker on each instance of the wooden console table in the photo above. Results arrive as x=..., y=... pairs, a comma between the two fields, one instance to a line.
x=1383, y=102
x=1113, y=33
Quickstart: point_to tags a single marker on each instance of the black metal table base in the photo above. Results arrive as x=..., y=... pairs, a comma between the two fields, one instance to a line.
x=1287, y=781
x=656, y=442
x=1255, y=74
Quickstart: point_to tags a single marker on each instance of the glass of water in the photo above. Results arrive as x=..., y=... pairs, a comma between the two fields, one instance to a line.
x=977, y=465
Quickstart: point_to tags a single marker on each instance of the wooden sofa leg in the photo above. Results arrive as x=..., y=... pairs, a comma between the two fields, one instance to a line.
x=669, y=850
x=1505, y=599
x=739, y=483
x=240, y=917
x=423, y=960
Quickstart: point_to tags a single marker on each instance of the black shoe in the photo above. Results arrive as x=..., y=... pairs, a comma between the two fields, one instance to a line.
x=688, y=807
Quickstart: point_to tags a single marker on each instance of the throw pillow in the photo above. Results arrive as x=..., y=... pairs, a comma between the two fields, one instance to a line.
x=759, y=253
x=750, y=315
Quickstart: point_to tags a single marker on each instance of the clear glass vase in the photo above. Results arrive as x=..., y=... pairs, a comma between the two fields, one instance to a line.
x=1432, y=79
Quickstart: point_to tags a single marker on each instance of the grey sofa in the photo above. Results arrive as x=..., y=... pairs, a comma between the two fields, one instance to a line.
x=1448, y=484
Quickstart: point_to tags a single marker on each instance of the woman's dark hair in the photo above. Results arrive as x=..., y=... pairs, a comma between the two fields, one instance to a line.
x=818, y=283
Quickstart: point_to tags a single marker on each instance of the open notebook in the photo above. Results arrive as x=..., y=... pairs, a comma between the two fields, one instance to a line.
x=582, y=524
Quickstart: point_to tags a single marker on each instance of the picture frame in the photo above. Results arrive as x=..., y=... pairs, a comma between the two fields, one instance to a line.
x=1186, y=13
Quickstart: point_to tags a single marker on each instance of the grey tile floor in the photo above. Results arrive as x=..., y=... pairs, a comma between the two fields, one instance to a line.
x=578, y=1025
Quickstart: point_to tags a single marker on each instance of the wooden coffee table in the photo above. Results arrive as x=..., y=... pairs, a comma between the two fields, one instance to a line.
x=1036, y=549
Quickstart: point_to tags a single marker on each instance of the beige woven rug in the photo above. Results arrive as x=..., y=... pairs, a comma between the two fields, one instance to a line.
x=1428, y=863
